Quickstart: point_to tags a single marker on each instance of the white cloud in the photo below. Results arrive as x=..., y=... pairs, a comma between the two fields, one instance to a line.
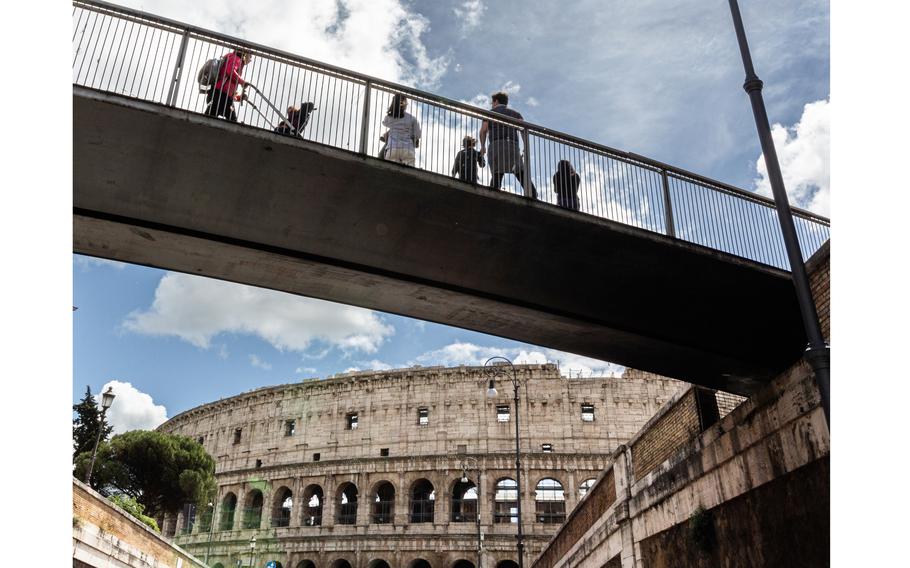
x=803, y=152
x=461, y=353
x=373, y=365
x=382, y=38
x=223, y=352
x=482, y=100
x=259, y=363
x=533, y=102
x=196, y=309
x=305, y=370
x=89, y=262
x=132, y=409
x=469, y=12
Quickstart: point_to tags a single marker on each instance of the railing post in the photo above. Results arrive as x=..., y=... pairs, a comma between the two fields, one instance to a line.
x=178, y=70
x=528, y=184
x=668, y=205
x=365, y=124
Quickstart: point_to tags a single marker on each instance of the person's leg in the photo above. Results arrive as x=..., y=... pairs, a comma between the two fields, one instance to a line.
x=520, y=174
x=229, y=110
x=212, y=101
x=496, y=180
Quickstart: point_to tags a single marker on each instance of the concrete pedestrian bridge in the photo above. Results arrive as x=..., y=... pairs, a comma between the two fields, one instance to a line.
x=660, y=270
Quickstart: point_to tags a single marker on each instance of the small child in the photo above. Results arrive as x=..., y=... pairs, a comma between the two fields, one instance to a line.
x=297, y=120
x=466, y=161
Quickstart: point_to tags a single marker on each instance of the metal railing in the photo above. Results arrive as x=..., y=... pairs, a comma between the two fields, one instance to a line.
x=139, y=55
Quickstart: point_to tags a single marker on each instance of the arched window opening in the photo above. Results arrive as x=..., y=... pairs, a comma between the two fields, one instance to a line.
x=505, y=501
x=550, y=500
x=312, y=506
x=585, y=486
x=228, y=506
x=341, y=563
x=347, y=504
x=277, y=563
x=464, y=502
x=252, y=510
x=423, y=501
x=507, y=564
x=378, y=563
x=218, y=565
x=383, y=506
x=306, y=564
x=420, y=563
x=281, y=511
x=463, y=564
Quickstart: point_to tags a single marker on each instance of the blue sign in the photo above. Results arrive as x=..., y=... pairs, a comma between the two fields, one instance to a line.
x=271, y=564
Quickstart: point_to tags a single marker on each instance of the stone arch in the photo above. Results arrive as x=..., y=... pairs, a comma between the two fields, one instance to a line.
x=382, y=503
x=282, y=505
x=306, y=563
x=464, y=496
x=228, y=506
x=346, y=498
x=507, y=564
x=423, y=501
x=550, y=501
x=218, y=565
x=505, y=500
x=585, y=486
x=463, y=563
x=312, y=505
x=420, y=563
x=378, y=563
x=341, y=563
x=252, y=509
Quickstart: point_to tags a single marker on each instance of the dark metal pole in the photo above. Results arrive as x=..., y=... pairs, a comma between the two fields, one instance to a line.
x=818, y=354
x=518, y=474
x=208, y=549
x=91, y=467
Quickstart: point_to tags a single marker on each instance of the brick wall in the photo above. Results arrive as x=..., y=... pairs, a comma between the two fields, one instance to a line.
x=123, y=532
x=819, y=269
x=598, y=500
x=675, y=427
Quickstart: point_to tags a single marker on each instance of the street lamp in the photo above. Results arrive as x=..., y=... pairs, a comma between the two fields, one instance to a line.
x=496, y=367
x=252, y=549
x=107, y=399
x=464, y=479
x=208, y=549
x=818, y=354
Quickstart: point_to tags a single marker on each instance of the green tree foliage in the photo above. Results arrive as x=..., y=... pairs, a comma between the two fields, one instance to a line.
x=86, y=425
x=135, y=509
x=160, y=471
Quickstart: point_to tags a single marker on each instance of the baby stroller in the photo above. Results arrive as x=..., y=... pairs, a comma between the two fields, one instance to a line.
x=294, y=123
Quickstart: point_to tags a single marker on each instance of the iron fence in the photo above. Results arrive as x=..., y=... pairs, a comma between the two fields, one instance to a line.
x=139, y=55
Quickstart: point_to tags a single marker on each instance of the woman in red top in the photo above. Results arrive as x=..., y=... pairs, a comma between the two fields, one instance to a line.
x=221, y=97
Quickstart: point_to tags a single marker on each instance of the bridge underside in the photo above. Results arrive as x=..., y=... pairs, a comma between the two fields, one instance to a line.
x=170, y=189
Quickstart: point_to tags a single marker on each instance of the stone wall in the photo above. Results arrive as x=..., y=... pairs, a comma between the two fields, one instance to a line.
x=711, y=486
x=106, y=536
x=391, y=445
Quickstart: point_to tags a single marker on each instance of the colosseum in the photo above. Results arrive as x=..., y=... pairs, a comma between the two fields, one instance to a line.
x=410, y=468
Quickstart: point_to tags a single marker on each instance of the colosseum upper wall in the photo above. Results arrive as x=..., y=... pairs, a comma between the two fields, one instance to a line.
x=398, y=443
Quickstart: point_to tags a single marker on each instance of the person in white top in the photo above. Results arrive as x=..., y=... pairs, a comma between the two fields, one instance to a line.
x=403, y=136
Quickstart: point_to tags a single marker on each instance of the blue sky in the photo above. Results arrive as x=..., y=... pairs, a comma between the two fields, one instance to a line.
x=658, y=78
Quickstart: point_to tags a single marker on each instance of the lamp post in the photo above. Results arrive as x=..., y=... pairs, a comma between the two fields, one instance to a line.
x=496, y=367
x=252, y=549
x=464, y=479
x=107, y=399
x=208, y=548
x=818, y=354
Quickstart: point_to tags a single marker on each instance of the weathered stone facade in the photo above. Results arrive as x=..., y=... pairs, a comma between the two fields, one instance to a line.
x=412, y=426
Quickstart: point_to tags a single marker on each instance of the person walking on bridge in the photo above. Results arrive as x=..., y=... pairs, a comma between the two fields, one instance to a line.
x=221, y=97
x=505, y=155
x=403, y=136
